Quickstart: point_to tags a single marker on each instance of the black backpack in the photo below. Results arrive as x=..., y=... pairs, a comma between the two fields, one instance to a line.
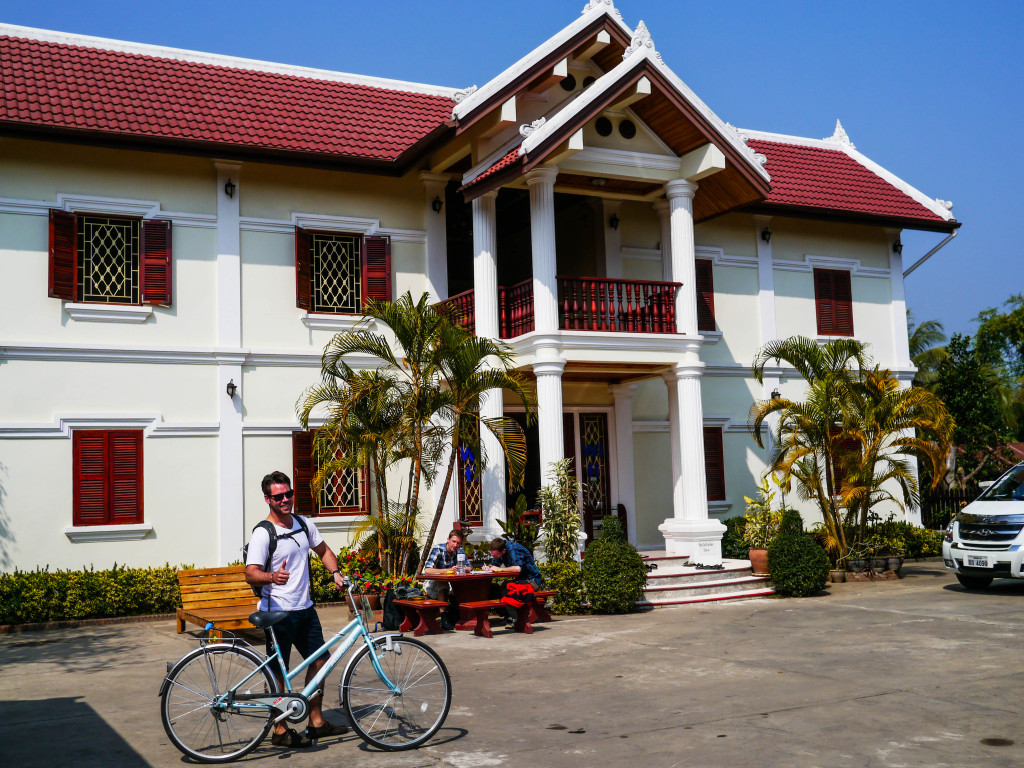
x=272, y=533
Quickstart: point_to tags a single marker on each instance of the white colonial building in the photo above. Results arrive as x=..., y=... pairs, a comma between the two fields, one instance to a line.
x=181, y=233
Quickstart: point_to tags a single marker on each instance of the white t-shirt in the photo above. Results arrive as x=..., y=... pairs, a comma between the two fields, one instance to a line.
x=294, y=554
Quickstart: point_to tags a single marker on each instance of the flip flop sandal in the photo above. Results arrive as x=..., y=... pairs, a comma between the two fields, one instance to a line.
x=290, y=738
x=327, y=729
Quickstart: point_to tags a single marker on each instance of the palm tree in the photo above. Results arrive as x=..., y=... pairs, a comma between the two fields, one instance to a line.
x=411, y=404
x=927, y=350
x=889, y=424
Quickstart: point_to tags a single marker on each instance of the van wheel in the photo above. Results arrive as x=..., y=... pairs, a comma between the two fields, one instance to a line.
x=974, y=582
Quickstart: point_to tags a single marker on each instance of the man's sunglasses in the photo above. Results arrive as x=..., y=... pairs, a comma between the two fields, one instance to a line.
x=282, y=496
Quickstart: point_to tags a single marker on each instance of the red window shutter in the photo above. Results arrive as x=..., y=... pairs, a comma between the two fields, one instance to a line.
x=63, y=268
x=303, y=469
x=823, y=304
x=842, y=298
x=156, y=262
x=833, y=301
x=89, y=495
x=124, y=452
x=376, y=269
x=714, y=463
x=705, y=295
x=303, y=267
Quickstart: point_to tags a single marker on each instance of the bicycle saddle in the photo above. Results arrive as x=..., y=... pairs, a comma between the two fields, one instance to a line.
x=266, y=618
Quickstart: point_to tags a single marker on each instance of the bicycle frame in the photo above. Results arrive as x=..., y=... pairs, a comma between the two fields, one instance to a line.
x=346, y=636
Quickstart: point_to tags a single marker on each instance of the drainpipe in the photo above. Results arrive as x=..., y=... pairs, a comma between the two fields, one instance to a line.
x=930, y=253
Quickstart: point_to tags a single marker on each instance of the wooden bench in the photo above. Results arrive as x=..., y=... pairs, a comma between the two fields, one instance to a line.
x=220, y=595
x=530, y=614
x=421, y=615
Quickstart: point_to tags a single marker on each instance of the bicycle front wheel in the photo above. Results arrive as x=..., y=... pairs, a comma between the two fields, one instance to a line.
x=404, y=719
x=200, y=726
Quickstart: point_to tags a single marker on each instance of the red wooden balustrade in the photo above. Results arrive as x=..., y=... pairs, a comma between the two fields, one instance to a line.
x=584, y=304
x=620, y=306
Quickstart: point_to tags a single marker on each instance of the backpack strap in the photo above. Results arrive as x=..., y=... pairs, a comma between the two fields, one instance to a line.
x=272, y=545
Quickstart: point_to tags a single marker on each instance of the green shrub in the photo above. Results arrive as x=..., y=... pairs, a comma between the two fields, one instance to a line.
x=798, y=566
x=567, y=579
x=614, y=574
x=733, y=545
x=28, y=597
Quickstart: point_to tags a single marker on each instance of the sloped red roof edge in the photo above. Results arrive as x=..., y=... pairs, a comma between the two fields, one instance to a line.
x=850, y=217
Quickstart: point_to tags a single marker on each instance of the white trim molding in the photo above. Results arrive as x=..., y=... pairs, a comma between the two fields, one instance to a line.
x=726, y=423
x=323, y=321
x=82, y=534
x=146, y=209
x=108, y=313
x=810, y=261
x=720, y=258
x=153, y=425
x=325, y=223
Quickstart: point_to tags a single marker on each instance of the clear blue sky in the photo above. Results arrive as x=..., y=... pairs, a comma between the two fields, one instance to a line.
x=931, y=90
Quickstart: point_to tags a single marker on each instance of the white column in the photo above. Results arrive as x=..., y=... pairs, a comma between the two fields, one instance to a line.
x=231, y=522
x=666, y=239
x=680, y=200
x=542, y=238
x=612, y=240
x=437, y=235
x=485, y=290
x=765, y=280
x=900, y=337
x=549, y=413
x=622, y=395
x=689, y=531
x=485, y=265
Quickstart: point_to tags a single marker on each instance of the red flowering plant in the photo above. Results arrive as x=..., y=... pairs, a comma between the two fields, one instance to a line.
x=360, y=567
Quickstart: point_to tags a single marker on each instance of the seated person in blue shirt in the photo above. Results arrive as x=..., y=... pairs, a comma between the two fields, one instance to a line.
x=441, y=561
x=512, y=558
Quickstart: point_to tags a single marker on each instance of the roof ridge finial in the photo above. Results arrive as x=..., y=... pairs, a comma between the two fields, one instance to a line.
x=592, y=4
x=840, y=137
x=641, y=39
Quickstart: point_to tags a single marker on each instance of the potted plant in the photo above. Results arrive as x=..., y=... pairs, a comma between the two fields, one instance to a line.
x=762, y=526
x=837, y=574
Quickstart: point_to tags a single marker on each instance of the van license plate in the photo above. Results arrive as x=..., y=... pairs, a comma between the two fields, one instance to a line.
x=977, y=561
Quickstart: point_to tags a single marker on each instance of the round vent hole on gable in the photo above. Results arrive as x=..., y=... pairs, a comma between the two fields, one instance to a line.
x=568, y=83
x=603, y=126
x=588, y=81
x=627, y=129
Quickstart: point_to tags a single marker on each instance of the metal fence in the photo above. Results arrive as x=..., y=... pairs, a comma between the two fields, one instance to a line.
x=938, y=507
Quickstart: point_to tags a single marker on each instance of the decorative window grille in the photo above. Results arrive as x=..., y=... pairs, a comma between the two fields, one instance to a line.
x=471, y=506
x=343, y=491
x=108, y=260
x=594, y=445
x=336, y=272
x=346, y=492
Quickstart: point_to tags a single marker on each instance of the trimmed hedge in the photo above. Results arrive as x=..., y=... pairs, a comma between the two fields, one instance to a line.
x=798, y=566
x=27, y=597
x=567, y=578
x=614, y=574
x=733, y=545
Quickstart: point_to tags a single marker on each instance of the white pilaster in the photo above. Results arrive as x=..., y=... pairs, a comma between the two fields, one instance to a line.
x=765, y=280
x=680, y=194
x=612, y=239
x=485, y=290
x=549, y=413
x=690, y=530
x=666, y=239
x=230, y=529
x=898, y=305
x=622, y=394
x=542, y=237
x=485, y=265
x=437, y=235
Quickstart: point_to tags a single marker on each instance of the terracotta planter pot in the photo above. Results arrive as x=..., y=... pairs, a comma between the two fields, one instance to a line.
x=759, y=561
x=837, y=576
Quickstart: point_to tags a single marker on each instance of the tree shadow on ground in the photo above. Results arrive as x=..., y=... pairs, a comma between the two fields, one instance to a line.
x=28, y=730
x=7, y=539
x=81, y=651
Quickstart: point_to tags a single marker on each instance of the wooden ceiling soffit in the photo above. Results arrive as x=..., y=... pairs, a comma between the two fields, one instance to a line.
x=587, y=41
x=851, y=217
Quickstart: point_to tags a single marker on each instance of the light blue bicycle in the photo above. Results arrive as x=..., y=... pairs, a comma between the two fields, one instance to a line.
x=218, y=702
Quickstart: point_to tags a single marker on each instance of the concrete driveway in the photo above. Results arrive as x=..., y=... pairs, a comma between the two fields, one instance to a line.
x=915, y=672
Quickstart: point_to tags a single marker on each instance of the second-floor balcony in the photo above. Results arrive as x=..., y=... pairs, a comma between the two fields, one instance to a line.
x=584, y=304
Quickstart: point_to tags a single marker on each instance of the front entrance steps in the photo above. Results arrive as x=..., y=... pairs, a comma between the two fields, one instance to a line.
x=676, y=582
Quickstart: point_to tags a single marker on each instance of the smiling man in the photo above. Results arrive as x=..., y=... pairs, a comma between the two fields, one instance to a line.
x=283, y=578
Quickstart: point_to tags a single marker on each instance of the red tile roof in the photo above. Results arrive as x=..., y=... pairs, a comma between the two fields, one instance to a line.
x=64, y=86
x=829, y=179
x=505, y=162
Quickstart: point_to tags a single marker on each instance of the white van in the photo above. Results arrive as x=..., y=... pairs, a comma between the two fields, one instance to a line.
x=985, y=540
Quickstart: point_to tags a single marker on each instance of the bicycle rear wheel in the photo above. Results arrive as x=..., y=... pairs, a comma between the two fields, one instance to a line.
x=405, y=719
x=201, y=730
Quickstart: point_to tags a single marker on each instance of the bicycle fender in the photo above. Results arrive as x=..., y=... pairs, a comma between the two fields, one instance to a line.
x=386, y=638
